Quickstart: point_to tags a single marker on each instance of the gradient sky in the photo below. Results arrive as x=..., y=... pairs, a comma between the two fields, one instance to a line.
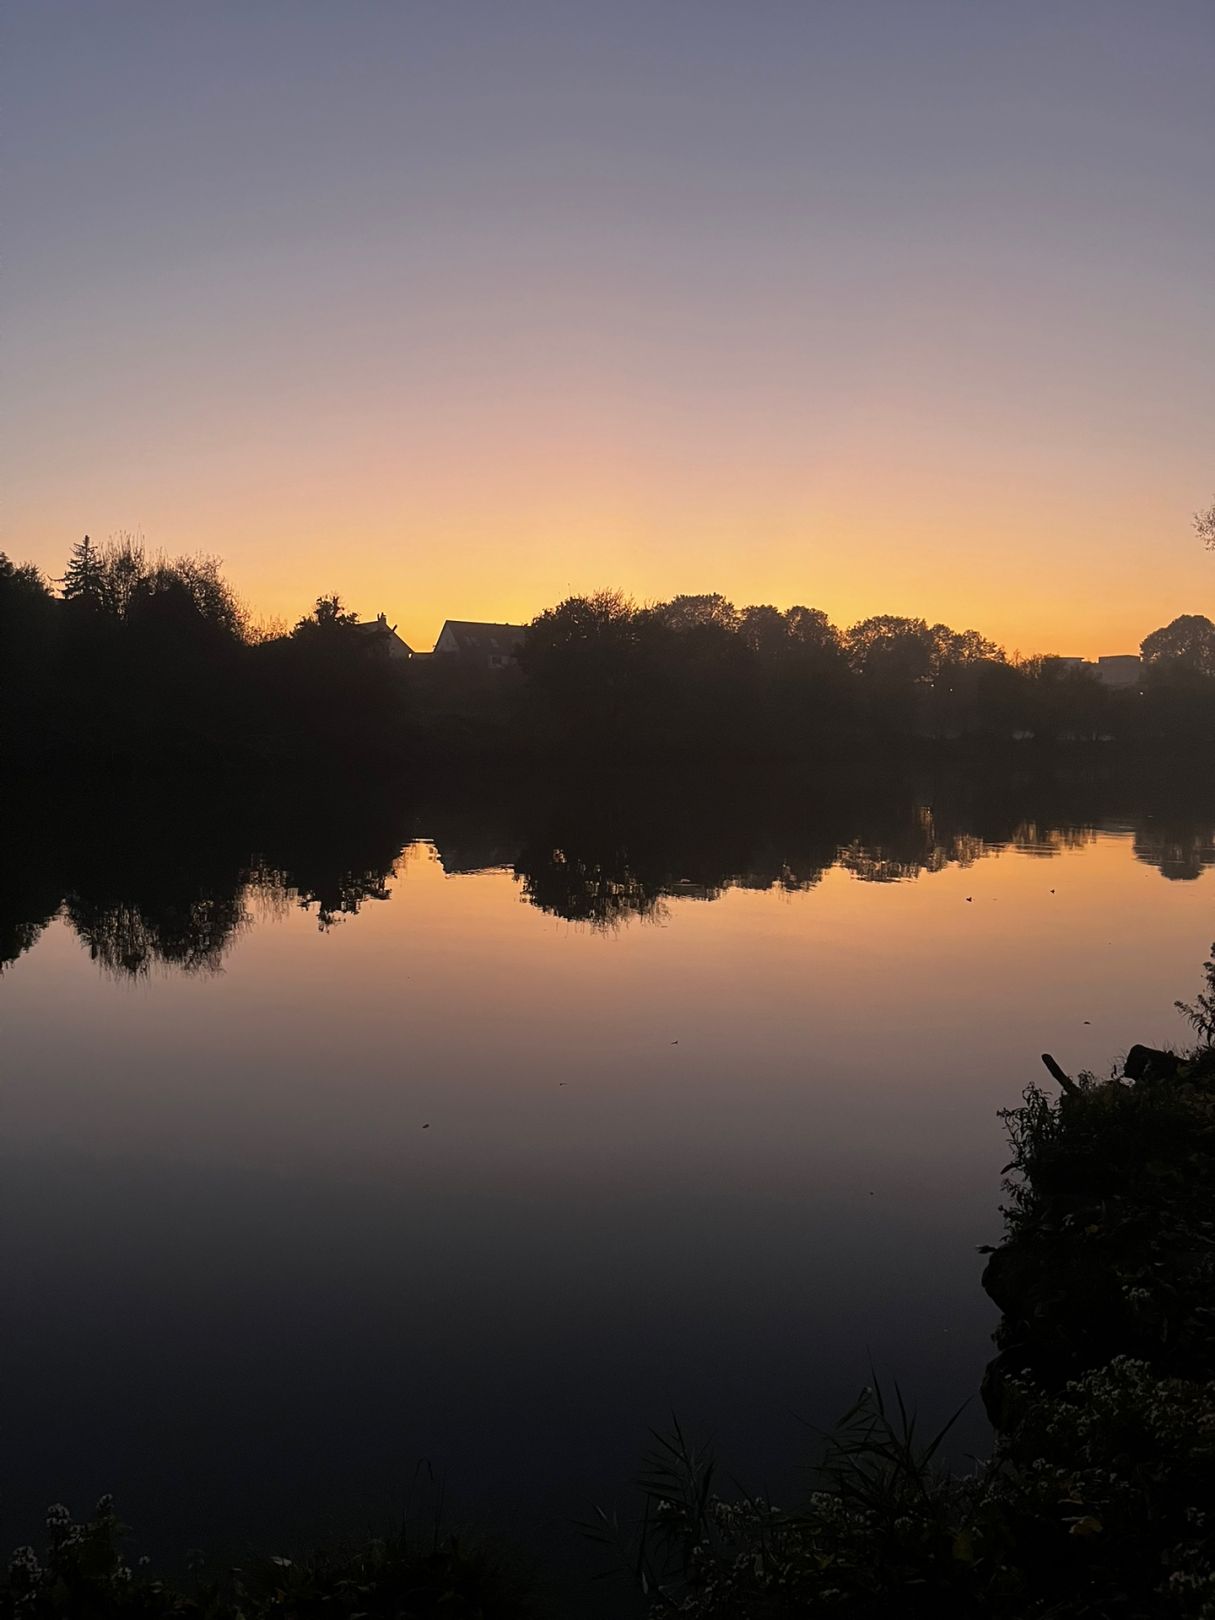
x=456, y=307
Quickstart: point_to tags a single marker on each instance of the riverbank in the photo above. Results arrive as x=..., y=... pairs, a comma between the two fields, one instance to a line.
x=1096, y=1500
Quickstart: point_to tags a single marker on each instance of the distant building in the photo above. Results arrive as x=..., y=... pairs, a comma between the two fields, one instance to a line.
x=482, y=646
x=1111, y=669
x=383, y=639
x=1119, y=669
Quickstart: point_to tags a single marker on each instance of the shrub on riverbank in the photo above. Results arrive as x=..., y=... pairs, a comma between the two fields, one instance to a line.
x=1108, y=1519
x=82, y=1573
x=1097, y=1498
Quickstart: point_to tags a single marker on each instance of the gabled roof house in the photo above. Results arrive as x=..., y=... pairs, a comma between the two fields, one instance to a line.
x=383, y=639
x=487, y=646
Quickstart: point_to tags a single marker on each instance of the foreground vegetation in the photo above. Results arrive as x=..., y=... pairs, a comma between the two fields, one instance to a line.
x=131, y=658
x=1095, y=1503
x=1099, y=1495
x=1097, y=1499
x=82, y=1571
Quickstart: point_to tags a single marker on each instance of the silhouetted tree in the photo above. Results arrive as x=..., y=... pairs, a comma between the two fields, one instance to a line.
x=28, y=648
x=153, y=650
x=811, y=631
x=124, y=576
x=590, y=664
x=1178, y=704
x=323, y=692
x=764, y=631
x=1204, y=525
x=713, y=612
x=193, y=596
x=1187, y=644
x=82, y=578
x=952, y=648
x=890, y=651
x=1067, y=704
x=329, y=617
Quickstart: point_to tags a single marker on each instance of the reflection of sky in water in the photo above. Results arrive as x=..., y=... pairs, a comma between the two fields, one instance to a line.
x=708, y=1162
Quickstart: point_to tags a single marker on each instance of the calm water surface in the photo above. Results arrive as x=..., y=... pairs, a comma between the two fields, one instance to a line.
x=407, y=1135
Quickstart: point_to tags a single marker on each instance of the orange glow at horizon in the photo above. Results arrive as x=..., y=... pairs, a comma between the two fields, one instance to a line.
x=435, y=561
x=874, y=309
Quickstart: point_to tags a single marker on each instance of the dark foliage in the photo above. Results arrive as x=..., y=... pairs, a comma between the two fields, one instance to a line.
x=140, y=659
x=1096, y=1500
x=81, y=1572
x=143, y=659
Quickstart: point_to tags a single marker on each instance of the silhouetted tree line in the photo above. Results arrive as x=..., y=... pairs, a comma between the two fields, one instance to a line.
x=167, y=877
x=138, y=658
x=697, y=672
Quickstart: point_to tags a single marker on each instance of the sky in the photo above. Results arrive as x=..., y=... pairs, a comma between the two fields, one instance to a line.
x=456, y=307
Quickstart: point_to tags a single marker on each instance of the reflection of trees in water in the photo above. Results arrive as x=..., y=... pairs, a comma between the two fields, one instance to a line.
x=605, y=889
x=335, y=860
x=1177, y=851
x=924, y=842
x=154, y=883
x=19, y=930
x=784, y=842
x=165, y=878
x=929, y=847
x=603, y=893
x=789, y=875
x=335, y=895
x=1032, y=838
x=876, y=865
x=31, y=889
x=126, y=937
x=607, y=863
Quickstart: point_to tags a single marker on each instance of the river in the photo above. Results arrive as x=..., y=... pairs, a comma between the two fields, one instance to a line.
x=351, y=1137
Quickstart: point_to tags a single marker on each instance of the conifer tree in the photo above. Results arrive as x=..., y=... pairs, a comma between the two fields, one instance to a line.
x=84, y=578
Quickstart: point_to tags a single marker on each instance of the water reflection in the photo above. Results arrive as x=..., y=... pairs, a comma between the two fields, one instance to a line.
x=494, y=1170
x=166, y=879
x=125, y=937
x=341, y=894
x=1179, y=848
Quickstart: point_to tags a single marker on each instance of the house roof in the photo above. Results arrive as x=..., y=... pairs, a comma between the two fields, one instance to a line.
x=469, y=636
x=381, y=627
